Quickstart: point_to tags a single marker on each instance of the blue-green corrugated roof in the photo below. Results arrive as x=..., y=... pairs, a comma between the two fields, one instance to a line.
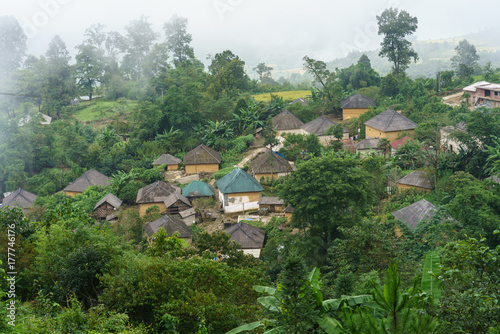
x=238, y=181
x=197, y=189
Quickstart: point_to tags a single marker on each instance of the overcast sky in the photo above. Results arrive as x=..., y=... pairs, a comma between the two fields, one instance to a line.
x=256, y=30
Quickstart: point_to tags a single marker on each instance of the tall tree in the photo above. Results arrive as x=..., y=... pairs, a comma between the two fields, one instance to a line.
x=89, y=68
x=59, y=87
x=12, y=45
x=227, y=75
x=326, y=193
x=395, y=26
x=465, y=59
x=178, y=40
x=263, y=70
x=138, y=42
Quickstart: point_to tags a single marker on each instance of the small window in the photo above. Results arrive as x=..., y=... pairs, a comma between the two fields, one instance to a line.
x=496, y=93
x=486, y=92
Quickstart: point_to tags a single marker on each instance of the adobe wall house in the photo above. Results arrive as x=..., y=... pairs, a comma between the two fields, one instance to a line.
x=171, y=162
x=271, y=204
x=286, y=122
x=239, y=191
x=202, y=159
x=319, y=126
x=356, y=105
x=416, y=180
x=89, y=178
x=389, y=124
x=249, y=237
x=269, y=165
x=171, y=225
x=155, y=194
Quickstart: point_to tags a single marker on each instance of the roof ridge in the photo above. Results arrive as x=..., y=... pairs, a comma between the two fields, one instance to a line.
x=392, y=116
x=210, y=153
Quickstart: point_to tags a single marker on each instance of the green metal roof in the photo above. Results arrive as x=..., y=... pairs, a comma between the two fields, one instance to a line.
x=197, y=189
x=238, y=181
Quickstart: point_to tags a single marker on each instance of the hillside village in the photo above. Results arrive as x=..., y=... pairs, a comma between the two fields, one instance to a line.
x=164, y=197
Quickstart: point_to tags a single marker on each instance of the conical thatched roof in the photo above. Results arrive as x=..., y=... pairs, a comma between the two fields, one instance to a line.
x=170, y=224
x=357, y=101
x=390, y=120
x=268, y=162
x=166, y=159
x=198, y=189
x=415, y=213
x=285, y=120
x=238, y=181
x=19, y=198
x=174, y=198
x=156, y=192
x=202, y=155
x=248, y=236
x=418, y=178
x=111, y=199
x=89, y=178
x=319, y=126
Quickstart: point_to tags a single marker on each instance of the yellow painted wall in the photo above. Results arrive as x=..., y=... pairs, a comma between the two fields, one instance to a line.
x=71, y=193
x=288, y=216
x=172, y=167
x=351, y=113
x=208, y=168
x=268, y=176
x=144, y=206
x=406, y=187
x=252, y=196
x=392, y=136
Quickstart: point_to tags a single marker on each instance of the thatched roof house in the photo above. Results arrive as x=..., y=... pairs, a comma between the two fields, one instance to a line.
x=89, y=178
x=269, y=165
x=389, y=124
x=415, y=213
x=155, y=194
x=171, y=225
x=169, y=160
x=249, y=237
x=272, y=204
x=367, y=145
x=239, y=191
x=176, y=203
x=417, y=179
x=202, y=159
x=198, y=189
x=285, y=121
x=319, y=126
x=356, y=105
x=107, y=206
x=20, y=199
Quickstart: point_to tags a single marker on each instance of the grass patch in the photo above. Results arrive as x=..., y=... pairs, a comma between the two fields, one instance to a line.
x=289, y=95
x=99, y=109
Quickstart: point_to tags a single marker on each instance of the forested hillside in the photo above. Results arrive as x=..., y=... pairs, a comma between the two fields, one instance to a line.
x=338, y=232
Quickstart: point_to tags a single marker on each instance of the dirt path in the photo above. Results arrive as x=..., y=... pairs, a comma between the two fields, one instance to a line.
x=250, y=155
x=453, y=99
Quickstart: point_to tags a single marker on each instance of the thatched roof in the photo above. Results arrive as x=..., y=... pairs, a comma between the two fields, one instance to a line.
x=289, y=209
x=366, y=144
x=170, y=200
x=89, y=178
x=111, y=199
x=319, y=126
x=156, y=192
x=170, y=224
x=202, y=155
x=268, y=162
x=285, y=120
x=238, y=181
x=19, y=198
x=248, y=236
x=270, y=201
x=198, y=189
x=418, y=178
x=166, y=159
x=390, y=120
x=415, y=213
x=357, y=101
